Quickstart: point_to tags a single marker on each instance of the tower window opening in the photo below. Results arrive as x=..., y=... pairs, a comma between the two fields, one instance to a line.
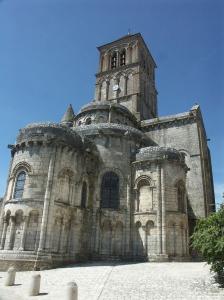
x=114, y=60
x=19, y=186
x=123, y=58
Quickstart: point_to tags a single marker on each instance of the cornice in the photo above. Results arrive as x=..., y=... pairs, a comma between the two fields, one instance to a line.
x=166, y=122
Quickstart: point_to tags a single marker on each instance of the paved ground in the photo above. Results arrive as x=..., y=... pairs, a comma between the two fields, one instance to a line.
x=120, y=282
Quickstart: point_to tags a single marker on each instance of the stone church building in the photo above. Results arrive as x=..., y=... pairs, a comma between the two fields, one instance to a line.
x=115, y=181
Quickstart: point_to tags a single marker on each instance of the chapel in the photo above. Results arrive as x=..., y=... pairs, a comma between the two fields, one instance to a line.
x=115, y=181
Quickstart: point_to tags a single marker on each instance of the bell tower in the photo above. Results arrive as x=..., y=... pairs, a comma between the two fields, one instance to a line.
x=126, y=75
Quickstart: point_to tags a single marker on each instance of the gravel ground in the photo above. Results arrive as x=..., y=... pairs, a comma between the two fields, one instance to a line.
x=120, y=281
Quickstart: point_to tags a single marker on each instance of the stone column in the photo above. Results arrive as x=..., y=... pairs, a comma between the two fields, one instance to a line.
x=97, y=239
x=93, y=232
x=159, y=211
x=62, y=237
x=127, y=232
x=69, y=236
x=101, y=63
x=5, y=225
x=106, y=62
x=137, y=200
x=22, y=243
x=99, y=91
x=47, y=198
x=11, y=232
x=129, y=55
x=136, y=52
x=163, y=209
x=110, y=114
x=107, y=88
x=145, y=242
x=187, y=242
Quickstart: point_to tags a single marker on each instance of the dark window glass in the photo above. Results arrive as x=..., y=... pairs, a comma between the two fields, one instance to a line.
x=110, y=191
x=88, y=121
x=19, y=186
x=114, y=60
x=123, y=58
x=84, y=195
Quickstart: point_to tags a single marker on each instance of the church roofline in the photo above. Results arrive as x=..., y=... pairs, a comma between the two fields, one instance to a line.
x=113, y=128
x=194, y=112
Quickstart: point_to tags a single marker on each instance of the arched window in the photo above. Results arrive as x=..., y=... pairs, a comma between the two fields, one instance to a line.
x=84, y=195
x=19, y=185
x=123, y=58
x=144, y=195
x=88, y=121
x=65, y=185
x=114, y=60
x=110, y=191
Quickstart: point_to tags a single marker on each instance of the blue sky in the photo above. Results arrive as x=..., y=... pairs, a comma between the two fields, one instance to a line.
x=48, y=59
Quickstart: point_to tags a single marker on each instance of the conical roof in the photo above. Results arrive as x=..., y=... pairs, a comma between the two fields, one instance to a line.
x=69, y=115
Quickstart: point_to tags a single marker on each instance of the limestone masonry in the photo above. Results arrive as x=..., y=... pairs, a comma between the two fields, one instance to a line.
x=114, y=181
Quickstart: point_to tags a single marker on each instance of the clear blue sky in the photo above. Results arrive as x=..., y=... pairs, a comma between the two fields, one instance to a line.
x=48, y=59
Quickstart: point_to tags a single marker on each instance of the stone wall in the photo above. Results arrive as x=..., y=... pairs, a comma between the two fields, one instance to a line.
x=185, y=132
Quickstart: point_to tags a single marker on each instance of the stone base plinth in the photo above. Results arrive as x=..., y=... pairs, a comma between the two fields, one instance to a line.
x=31, y=260
x=158, y=258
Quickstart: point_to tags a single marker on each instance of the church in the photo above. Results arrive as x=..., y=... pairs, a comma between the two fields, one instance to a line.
x=112, y=182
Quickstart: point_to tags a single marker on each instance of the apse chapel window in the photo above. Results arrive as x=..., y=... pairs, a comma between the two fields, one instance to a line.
x=114, y=60
x=88, y=121
x=19, y=185
x=110, y=191
x=123, y=58
x=84, y=195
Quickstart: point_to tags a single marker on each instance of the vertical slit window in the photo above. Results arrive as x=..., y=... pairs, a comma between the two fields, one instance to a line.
x=84, y=195
x=19, y=186
x=123, y=58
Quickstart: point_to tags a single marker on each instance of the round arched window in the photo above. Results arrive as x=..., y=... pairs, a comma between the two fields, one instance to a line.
x=88, y=121
x=19, y=185
x=110, y=191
